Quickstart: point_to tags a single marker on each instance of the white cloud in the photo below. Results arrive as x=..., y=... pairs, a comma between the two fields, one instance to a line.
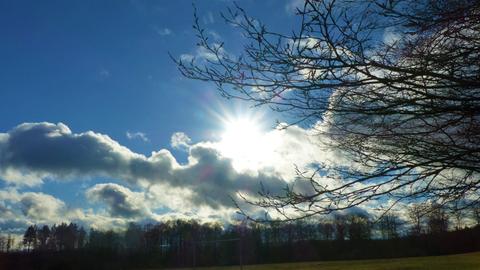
x=41, y=207
x=45, y=150
x=23, y=177
x=104, y=73
x=293, y=5
x=163, y=31
x=216, y=36
x=203, y=54
x=204, y=186
x=159, y=186
x=52, y=151
x=121, y=201
x=209, y=18
x=390, y=36
x=137, y=135
x=180, y=140
x=19, y=210
x=186, y=57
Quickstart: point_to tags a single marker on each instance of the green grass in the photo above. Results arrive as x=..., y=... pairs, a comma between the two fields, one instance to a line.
x=451, y=262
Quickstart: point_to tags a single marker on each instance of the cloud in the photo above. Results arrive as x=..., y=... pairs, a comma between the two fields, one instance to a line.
x=41, y=150
x=215, y=181
x=32, y=153
x=121, y=201
x=40, y=206
x=104, y=73
x=162, y=31
x=158, y=186
x=180, y=140
x=293, y=5
x=137, y=135
x=216, y=36
x=19, y=210
x=391, y=37
x=203, y=54
x=186, y=57
x=209, y=18
x=51, y=151
x=29, y=207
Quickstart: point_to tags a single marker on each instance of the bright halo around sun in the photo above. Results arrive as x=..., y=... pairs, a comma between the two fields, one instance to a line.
x=245, y=143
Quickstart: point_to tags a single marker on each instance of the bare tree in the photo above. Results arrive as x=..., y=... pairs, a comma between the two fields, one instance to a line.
x=81, y=236
x=437, y=219
x=416, y=214
x=326, y=230
x=3, y=243
x=458, y=217
x=476, y=214
x=43, y=236
x=30, y=238
x=340, y=224
x=389, y=226
x=392, y=85
x=10, y=242
x=359, y=227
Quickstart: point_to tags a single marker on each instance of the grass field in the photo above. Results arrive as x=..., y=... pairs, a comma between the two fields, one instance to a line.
x=469, y=261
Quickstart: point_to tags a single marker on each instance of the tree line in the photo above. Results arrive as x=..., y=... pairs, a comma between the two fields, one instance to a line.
x=6, y=243
x=58, y=237
x=428, y=230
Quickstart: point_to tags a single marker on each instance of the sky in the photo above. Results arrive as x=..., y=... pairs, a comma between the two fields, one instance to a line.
x=99, y=127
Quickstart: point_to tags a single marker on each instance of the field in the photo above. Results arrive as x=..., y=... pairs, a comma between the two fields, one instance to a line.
x=469, y=261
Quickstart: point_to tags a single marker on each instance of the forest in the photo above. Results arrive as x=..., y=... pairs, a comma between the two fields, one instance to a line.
x=187, y=243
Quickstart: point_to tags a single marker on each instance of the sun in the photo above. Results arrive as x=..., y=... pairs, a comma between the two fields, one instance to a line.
x=240, y=136
x=245, y=143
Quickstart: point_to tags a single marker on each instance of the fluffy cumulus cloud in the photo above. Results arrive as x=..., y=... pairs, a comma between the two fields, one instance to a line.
x=40, y=206
x=204, y=187
x=36, y=151
x=21, y=209
x=180, y=140
x=137, y=135
x=203, y=54
x=121, y=201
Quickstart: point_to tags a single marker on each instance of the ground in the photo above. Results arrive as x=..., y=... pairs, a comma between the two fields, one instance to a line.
x=469, y=261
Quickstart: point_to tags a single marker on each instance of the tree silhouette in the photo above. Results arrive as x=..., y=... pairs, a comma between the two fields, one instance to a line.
x=43, y=236
x=416, y=213
x=326, y=230
x=340, y=227
x=10, y=242
x=437, y=220
x=359, y=227
x=476, y=213
x=3, y=243
x=134, y=237
x=81, y=237
x=30, y=237
x=392, y=85
x=389, y=226
x=190, y=243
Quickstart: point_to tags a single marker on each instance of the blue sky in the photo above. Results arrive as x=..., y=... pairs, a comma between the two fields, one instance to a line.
x=103, y=67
